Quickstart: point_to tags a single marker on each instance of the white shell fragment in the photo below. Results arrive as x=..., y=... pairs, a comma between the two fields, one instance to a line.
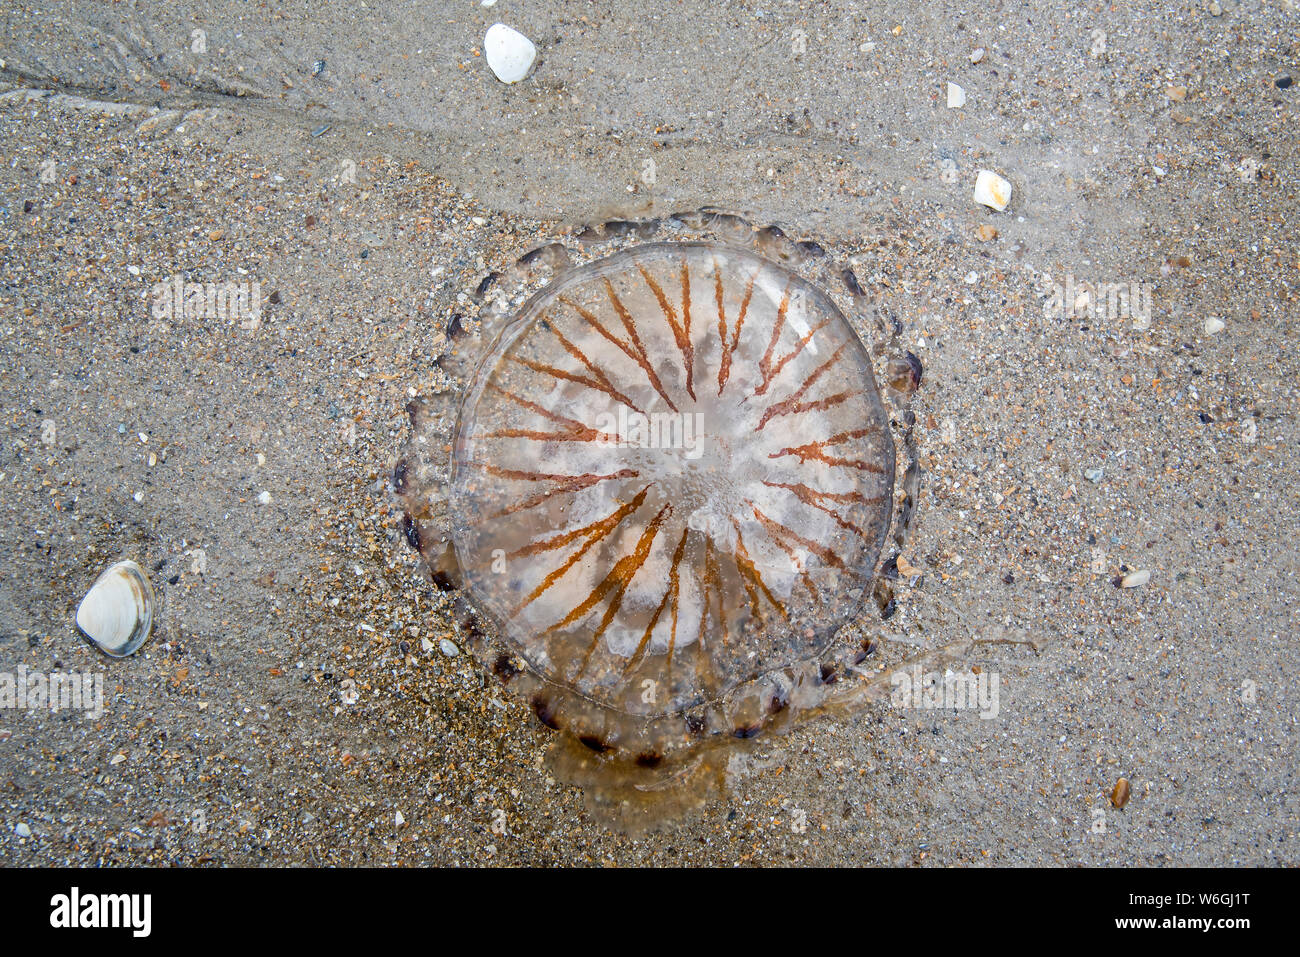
x=1134, y=579
x=977, y=54
x=117, y=612
x=956, y=97
x=992, y=190
x=1213, y=325
x=509, y=53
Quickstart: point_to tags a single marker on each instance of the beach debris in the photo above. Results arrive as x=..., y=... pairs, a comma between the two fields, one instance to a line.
x=992, y=190
x=509, y=53
x=1135, y=579
x=1119, y=795
x=1213, y=326
x=956, y=97
x=117, y=612
x=976, y=55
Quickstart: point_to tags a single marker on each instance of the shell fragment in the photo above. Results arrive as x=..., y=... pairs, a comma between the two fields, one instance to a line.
x=117, y=612
x=956, y=97
x=509, y=53
x=992, y=190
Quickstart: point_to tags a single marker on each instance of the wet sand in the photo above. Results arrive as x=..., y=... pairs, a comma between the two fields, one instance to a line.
x=294, y=700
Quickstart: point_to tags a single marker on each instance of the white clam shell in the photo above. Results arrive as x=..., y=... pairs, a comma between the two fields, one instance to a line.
x=509, y=53
x=992, y=190
x=117, y=612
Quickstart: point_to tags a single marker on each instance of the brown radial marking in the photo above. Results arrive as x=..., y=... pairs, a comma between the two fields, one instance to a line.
x=632, y=353
x=556, y=373
x=713, y=578
x=817, y=451
x=724, y=368
x=796, y=560
x=564, y=483
x=775, y=371
x=788, y=405
x=574, y=431
x=728, y=352
x=686, y=324
x=636, y=351
x=595, y=370
x=778, y=532
x=670, y=593
x=704, y=669
x=817, y=499
x=594, y=532
x=799, y=408
x=750, y=576
x=765, y=363
x=619, y=577
x=681, y=331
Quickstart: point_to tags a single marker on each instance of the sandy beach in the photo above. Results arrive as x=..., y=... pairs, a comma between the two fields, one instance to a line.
x=305, y=697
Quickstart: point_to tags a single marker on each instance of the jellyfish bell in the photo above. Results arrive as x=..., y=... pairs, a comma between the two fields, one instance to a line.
x=671, y=477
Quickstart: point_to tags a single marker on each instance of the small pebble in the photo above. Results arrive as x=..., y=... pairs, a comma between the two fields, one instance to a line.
x=1213, y=325
x=1119, y=796
x=1094, y=475
x=977, y=55
x=509, y=53
x=1215, y=10
x=448, y=648
x=987, y=233
x=264, y=498
x=22, y=830
x=318, y=68
x=1282, y=82
x=992, y=190
x=398, y=819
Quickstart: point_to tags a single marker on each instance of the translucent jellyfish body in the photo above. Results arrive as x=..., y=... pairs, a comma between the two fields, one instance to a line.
x=672, y=475
x=671, y=478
